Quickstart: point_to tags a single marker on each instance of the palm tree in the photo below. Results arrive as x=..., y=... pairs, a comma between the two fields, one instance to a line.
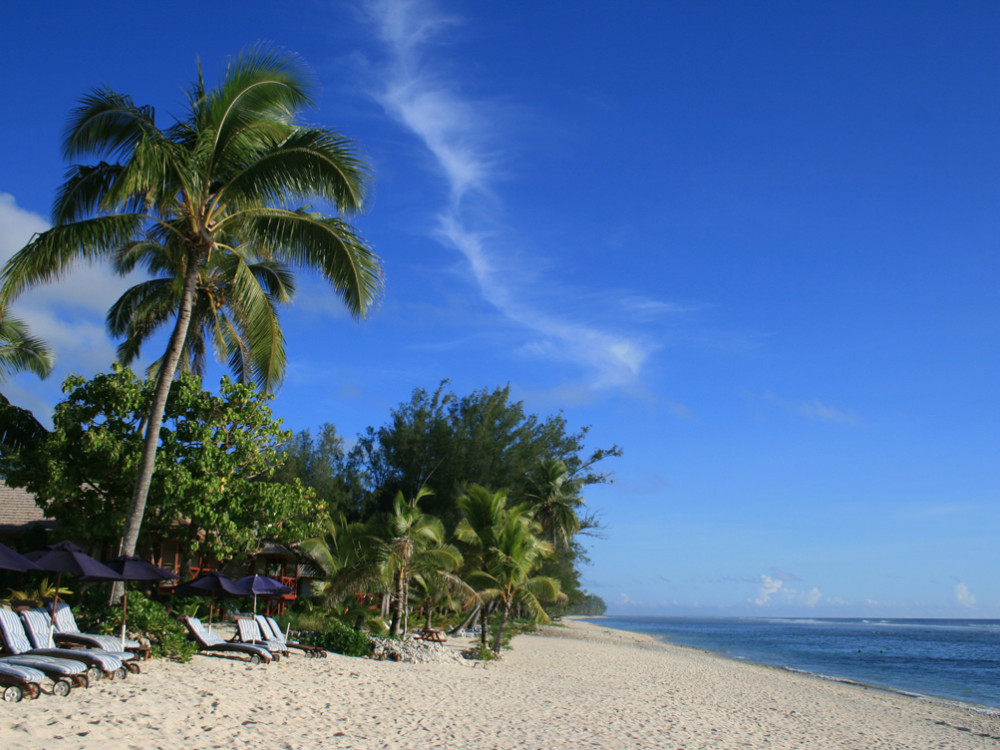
x=229, y=177
x=509, y=551
x=555, y=496
x=414, y=546
x=20, y=352
x=243, y=328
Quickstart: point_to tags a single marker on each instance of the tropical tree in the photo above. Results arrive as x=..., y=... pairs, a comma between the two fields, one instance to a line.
x=242, y=328
x=232, y=176
x=347, y=554
x=415, y=545
x=555, y=497
x=21, y=352
x=509, y=551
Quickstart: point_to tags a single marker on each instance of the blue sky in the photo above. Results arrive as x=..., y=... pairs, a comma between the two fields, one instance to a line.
x=755, y=244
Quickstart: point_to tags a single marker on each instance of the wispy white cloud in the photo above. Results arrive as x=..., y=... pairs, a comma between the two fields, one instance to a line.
x=459, y=133
x=768, y=588
x=813, y=409
x=965, y=597
x=812, y=598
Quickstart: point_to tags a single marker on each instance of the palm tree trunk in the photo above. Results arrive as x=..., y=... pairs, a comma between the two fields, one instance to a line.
x=133, y=523
x=397, y=606
x=504, y=614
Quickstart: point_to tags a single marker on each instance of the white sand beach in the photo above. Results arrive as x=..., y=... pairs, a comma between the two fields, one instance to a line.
x=577, y=686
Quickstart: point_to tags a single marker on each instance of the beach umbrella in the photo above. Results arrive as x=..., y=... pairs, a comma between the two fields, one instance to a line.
x=11, y=560
x=212, y=584
x=136, y=569
x=66, y=557
x=264, y=587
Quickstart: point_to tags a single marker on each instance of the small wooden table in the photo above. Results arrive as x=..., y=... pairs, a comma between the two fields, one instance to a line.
x=431, y=634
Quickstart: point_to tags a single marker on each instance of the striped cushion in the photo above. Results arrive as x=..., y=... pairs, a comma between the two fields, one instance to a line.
x=209, y=640
x=66, y=625
x=36, y=623
x=14, y=637
x=28, y=674
x=275, y=628
x=47, y=664
x=250, y=633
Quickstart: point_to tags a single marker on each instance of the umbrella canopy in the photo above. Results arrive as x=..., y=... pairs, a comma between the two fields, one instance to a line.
x=212, y=584
x=136, y=569
x=11, y=560
x=66, y=557
x=263, y=586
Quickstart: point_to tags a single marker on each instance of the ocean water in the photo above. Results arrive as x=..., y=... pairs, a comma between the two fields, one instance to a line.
x=956, y=660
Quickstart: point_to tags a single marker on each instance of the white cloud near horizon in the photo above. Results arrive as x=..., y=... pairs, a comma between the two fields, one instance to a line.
x=965, y=597
x=458, y=132
x=768, y=588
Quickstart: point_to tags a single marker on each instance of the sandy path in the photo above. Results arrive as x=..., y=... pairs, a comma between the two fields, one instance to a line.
x=581, y=686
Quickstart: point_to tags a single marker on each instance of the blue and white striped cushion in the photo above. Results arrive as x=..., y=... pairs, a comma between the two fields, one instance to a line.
x=47, y=664
x=36, y=623
x=14, y=637
x=28, y=674
x=66, y=625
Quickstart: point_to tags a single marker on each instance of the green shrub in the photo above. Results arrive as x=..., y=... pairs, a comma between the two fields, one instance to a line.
x=340, y=639
x=146, y=617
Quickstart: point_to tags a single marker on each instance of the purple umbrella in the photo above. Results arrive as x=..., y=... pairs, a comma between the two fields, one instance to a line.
x=263, y=586
x=11, y=560
x=66, y=557
x=136, y=569
x=212, y=584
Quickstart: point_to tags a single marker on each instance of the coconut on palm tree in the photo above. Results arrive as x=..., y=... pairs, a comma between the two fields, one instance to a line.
x=233, y=176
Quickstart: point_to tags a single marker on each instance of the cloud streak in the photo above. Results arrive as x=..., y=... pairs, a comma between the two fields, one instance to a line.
x=457, y=132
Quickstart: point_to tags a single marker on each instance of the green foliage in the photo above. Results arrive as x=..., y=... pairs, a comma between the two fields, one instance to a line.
x=319, y=464
x=590, y=605
x=217, y=456
x=19, y=351
x=340, y=639
x=444, y=442
x=146, y=618
x=44, y=589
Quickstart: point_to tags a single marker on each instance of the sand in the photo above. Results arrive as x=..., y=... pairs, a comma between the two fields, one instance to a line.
x=578, y=686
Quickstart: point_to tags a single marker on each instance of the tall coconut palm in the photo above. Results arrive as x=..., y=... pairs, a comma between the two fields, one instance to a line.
x=510, y=550
x=414, y=546
x=232, y=174
x=241, y=327
x=555, y=497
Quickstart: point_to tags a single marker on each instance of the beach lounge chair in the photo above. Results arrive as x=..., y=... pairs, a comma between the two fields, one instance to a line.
x=208, y=641
x=115, y=663
x=18, y=681
x=269, y=626
x=65, y=673
x=249, y=631
x=67, y=633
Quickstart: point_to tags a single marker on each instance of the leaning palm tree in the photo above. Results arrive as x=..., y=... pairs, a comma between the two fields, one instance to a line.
x=242, y=328
x=233, y=175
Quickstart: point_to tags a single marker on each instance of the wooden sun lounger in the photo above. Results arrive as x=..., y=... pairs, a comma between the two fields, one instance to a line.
x=211, y=642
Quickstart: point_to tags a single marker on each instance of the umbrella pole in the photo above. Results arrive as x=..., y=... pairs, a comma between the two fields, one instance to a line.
x=55, y=603
x=124, y=611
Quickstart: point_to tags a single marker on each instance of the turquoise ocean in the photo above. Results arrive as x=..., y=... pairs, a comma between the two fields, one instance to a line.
x=953, y=660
